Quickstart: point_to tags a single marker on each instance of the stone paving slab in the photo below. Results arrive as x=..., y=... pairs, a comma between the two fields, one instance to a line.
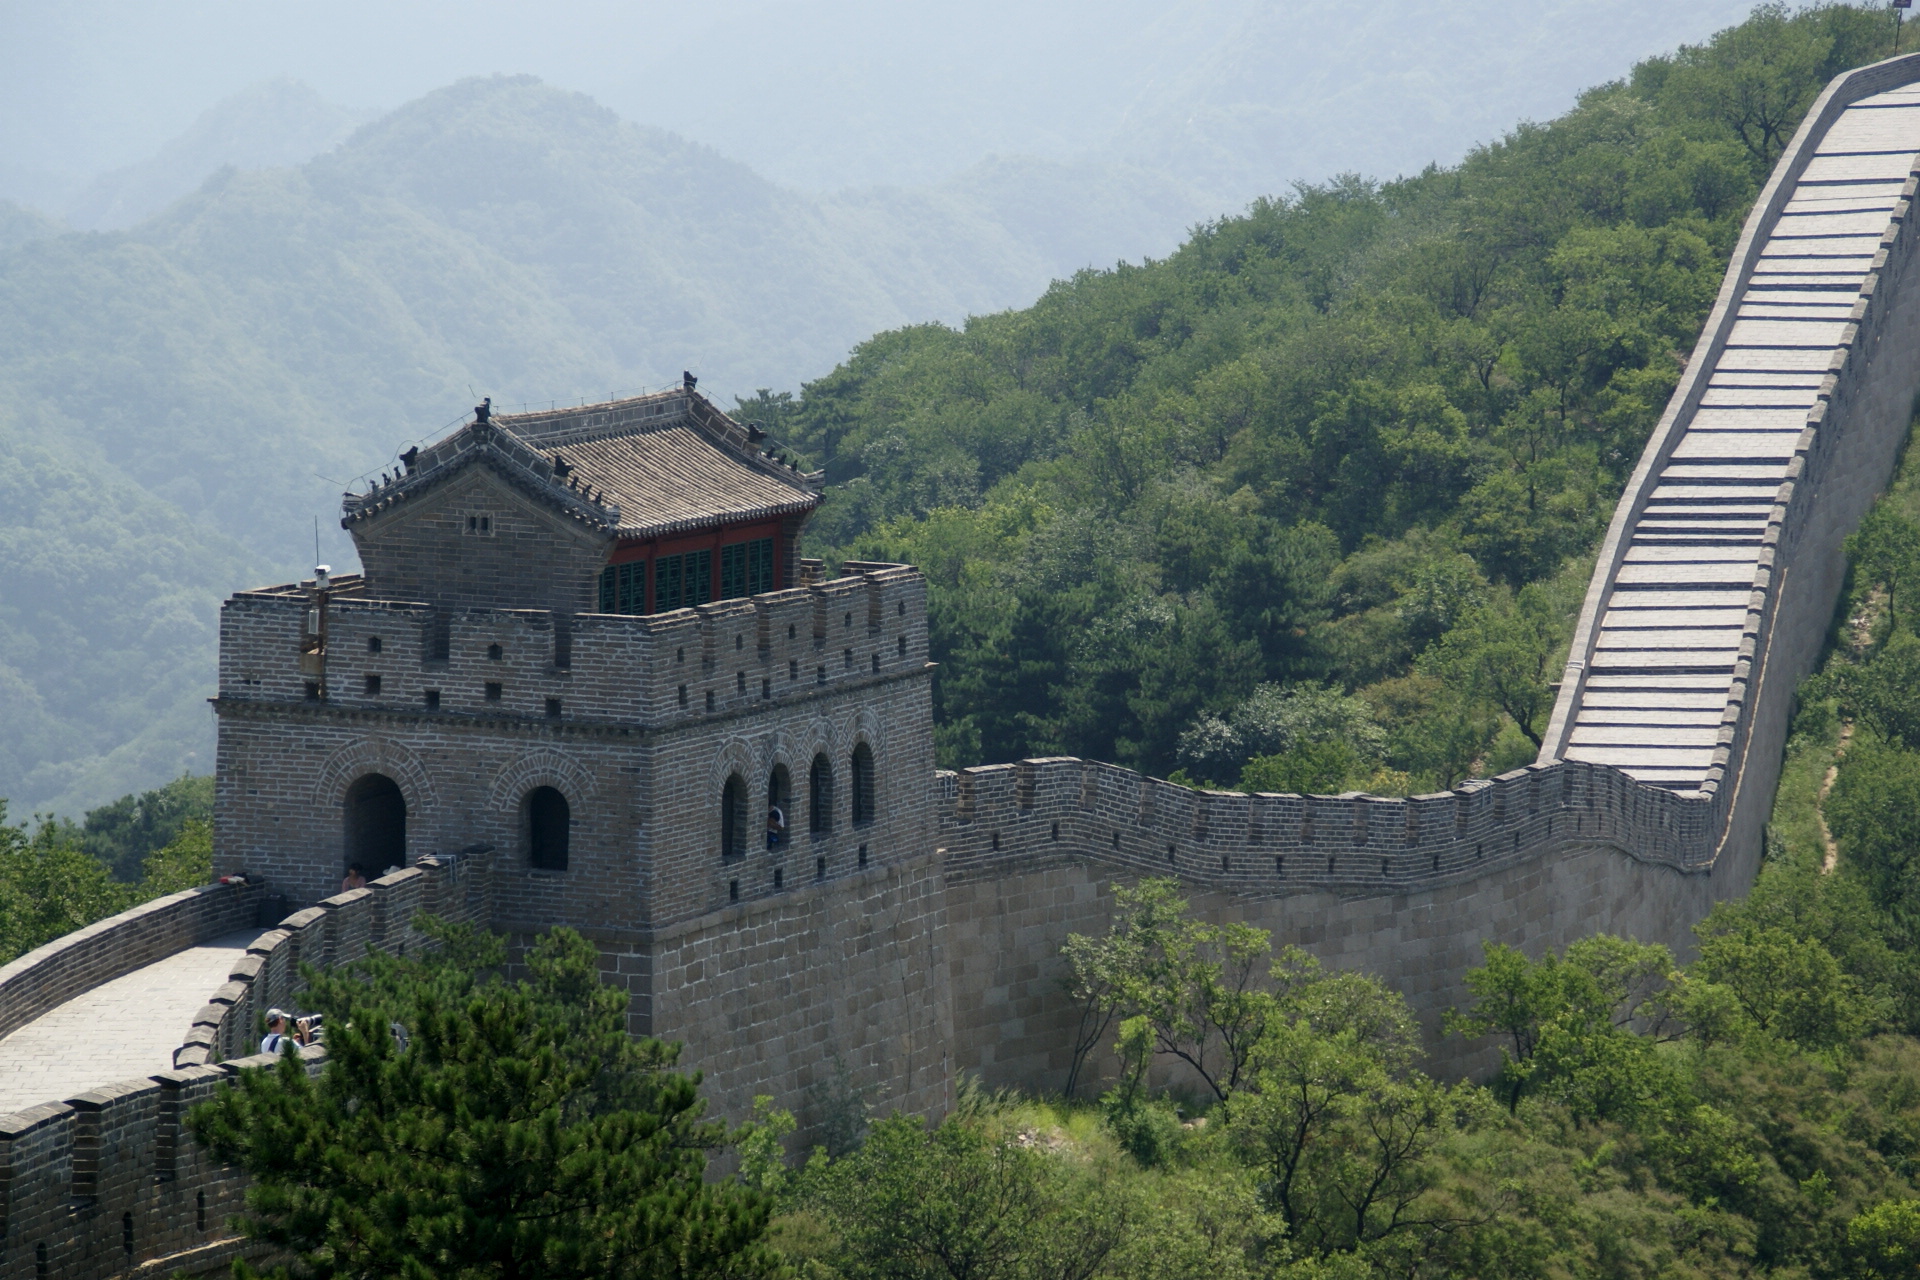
x=1648, y=715
x=119, y=1030
x=1770, y=361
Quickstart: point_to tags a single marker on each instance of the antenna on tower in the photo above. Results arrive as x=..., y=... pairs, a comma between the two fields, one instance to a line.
x=316, y=539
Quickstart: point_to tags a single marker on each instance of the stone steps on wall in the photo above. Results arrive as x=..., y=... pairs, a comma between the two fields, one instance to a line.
x=1665, y=650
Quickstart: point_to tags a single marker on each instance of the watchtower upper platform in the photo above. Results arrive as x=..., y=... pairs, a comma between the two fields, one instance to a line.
x=634, y=506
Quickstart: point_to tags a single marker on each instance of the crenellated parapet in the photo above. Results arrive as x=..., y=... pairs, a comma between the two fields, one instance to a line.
x=378, y=917
x=654, y=671
x=110, y=1182
x=1271, y=844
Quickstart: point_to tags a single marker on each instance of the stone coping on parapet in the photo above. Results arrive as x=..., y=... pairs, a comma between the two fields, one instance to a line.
x=19, y=1124
x=1277, y=844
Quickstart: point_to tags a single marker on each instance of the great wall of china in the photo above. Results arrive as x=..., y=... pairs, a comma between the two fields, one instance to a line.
x=1714, y=588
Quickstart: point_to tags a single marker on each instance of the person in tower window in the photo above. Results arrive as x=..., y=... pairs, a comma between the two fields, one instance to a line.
x=356, y=878
x=776, y=826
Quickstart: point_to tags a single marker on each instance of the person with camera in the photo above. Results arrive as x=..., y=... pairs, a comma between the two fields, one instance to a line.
x=278, y=1037
x=284, y=1029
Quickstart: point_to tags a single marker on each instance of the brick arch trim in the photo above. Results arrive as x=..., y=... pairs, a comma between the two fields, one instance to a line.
x=736, y=755
x=821, y=736
x=544, y=767
x=871, y=729
x=375, y=755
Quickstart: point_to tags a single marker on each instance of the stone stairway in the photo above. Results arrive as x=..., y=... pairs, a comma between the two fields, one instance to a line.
x=1663, y=661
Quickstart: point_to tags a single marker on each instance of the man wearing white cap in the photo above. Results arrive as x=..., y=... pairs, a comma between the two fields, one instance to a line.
x=276, y=1040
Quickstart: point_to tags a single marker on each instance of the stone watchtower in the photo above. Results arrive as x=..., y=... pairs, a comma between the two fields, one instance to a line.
x=584, y=656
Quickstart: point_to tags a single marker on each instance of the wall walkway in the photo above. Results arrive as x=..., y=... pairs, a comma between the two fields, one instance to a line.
x=127, y=1026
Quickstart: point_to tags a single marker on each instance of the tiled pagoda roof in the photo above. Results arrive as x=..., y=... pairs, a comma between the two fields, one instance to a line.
x=646, y=467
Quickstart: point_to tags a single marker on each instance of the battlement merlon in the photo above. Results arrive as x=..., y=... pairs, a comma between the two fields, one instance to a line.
x=645, y=671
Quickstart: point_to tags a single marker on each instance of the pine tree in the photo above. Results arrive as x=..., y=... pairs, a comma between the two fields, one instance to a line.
x=465, y=1125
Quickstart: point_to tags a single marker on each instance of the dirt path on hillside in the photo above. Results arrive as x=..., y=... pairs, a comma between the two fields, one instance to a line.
x=1832, y=859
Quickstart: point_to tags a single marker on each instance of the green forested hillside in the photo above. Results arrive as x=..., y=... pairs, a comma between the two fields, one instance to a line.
x=1355, y=442
x=182, y=403
x=1213, y=497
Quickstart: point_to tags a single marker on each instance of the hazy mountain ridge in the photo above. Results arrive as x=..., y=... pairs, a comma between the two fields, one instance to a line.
x=20, y=225
x=271, y=124
x=227, y=366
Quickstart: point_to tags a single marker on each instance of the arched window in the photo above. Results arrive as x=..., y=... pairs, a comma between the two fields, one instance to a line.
x=549, y=825
x=733, y=817
x=376, y=822
x=820, y=796
x=779, y=807
x=862, y=775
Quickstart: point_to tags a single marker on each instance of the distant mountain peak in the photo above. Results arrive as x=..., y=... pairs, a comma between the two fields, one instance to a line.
x=274, y=123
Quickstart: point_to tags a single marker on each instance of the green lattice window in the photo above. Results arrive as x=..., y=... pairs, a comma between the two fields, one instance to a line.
x=682, y=581
x=623, y=587
x=759, y=566
x=746, y=568
x=733, y=571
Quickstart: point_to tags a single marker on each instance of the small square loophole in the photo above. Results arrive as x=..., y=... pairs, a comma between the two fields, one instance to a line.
x=819, y=868
x=733, y=891
x=553, y=708
x=433, y=699
x=373, y=685
x=493, y=690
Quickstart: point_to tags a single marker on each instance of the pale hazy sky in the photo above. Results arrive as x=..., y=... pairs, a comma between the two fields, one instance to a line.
x=826, y=93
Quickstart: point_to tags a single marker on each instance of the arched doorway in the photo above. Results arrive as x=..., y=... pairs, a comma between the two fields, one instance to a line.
x=549, y=829
x=376, y=816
